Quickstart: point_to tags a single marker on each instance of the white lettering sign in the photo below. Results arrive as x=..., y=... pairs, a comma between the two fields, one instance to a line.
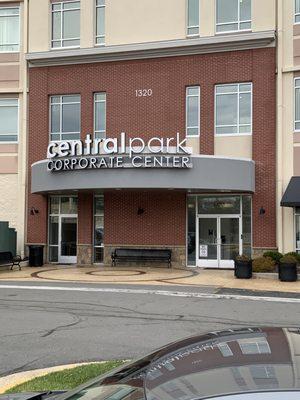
x=135, y=152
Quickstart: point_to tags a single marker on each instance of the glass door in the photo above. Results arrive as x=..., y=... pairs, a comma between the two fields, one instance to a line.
x=208, y=241
x=219, y=241
x=68, y=239
x=230, y=241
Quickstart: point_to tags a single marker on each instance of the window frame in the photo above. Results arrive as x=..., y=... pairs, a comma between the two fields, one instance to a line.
x=243, y=343
x=96, y=15
x=105, y=117
x=94, y=225
x=191, y=35
x=186, y=111
x=238, y=22
x=61, y=11
x=238, y=110
x=18, y=121
x=296, y=14
x=297, y=78
x=19, y=32
x=60, y=117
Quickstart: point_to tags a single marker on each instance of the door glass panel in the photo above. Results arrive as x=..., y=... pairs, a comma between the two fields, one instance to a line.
x=68, y=205
x=191, y=240
x=68, y=236
x=208, y=239
x=230, y=236
x=219, y=205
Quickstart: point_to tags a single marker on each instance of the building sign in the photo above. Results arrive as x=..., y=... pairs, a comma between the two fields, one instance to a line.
x=203, y=251
x=118, y=153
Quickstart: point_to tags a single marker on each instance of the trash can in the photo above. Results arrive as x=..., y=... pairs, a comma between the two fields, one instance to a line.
x=36, y=256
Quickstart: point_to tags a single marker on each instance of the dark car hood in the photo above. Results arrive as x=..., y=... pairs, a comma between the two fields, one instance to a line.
x=29, y=396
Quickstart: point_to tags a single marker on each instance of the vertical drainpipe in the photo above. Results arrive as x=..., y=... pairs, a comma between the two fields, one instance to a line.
x=279, y=124
x=25, y=118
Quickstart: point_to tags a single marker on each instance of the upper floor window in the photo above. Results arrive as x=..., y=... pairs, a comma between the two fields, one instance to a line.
x=9, y=117
x=9, y=29
x=192, y=111
x=192, y=17
x=297, y=104
x=297, y=11
x=100, y=115
x=65, y=117
x=100, y=22
x=65, y=24
x=233, y=15
x=233, y=114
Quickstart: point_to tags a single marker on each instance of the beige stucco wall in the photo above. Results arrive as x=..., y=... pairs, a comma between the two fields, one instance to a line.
x=136, y=21
x=234, y=146
x=9, y=199
x=194, y=144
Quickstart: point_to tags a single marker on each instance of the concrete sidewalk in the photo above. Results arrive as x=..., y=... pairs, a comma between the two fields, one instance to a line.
x=148, y=276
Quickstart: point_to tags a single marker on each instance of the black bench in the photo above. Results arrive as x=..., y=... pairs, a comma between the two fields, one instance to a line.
x=124, y=254
x=6, y=258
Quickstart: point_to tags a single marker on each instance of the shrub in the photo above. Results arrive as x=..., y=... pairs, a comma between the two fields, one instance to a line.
x=243, y=257
x=264, y=264
x=295, y=255
x=288, y=259
x=275, y=255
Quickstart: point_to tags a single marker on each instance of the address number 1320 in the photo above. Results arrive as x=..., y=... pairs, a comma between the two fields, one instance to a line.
x=143, y=93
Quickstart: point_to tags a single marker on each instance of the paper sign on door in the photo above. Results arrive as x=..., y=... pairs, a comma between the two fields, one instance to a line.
x=203, y=250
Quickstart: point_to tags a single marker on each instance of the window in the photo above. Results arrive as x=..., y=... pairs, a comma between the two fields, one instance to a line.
x=192, y=111
x=98, y=229
x=9, y=117
x=254, y=346
x=297, y=11
x=297, y=104
x=297, y=228
x=100, y=22
x=65, y=117
x=100, y=115
x=9, y=29
x=225, y=350
x=233, y=15
x=65, y=24
x=233, y=109
x=192, y=17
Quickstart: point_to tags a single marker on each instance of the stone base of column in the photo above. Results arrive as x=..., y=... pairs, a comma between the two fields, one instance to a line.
x=259, y=251
x=84, y=254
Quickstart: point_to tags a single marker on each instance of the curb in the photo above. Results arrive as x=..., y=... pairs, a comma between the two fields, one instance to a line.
x=9, y=381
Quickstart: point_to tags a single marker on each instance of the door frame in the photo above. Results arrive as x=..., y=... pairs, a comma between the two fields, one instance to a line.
x=66, y=259
x=218, y=263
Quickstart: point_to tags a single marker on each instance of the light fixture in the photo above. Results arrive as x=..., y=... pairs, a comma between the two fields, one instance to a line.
x=262, y=211
x=34, y=211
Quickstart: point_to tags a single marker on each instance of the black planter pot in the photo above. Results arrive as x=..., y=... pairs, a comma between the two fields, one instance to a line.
x=287, y=272
x=243, y=269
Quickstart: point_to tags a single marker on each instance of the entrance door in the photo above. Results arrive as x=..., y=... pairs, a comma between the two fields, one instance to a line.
x=68, y=239
x=219, y=241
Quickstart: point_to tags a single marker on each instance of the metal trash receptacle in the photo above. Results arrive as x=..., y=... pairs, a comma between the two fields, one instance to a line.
x=36, y=255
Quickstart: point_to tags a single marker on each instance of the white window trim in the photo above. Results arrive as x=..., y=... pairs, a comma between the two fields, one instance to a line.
x=99, y=36
x=62, y=40
x=191, y=26
x=296, y=214
x=296, y=14
x=18, y=122
x=94, y=216
x=186, y=111
x=95, y=102
x=18, y=44
x=61, y=103
x=295, y=89
x=239, y=22
x=238, y=110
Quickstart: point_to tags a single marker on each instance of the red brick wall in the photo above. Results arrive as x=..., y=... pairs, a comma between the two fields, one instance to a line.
x=162, y=223
x=163, y=114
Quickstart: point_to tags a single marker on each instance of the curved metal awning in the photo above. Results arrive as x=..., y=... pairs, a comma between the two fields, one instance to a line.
x=208, y=173
x=291, y=197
